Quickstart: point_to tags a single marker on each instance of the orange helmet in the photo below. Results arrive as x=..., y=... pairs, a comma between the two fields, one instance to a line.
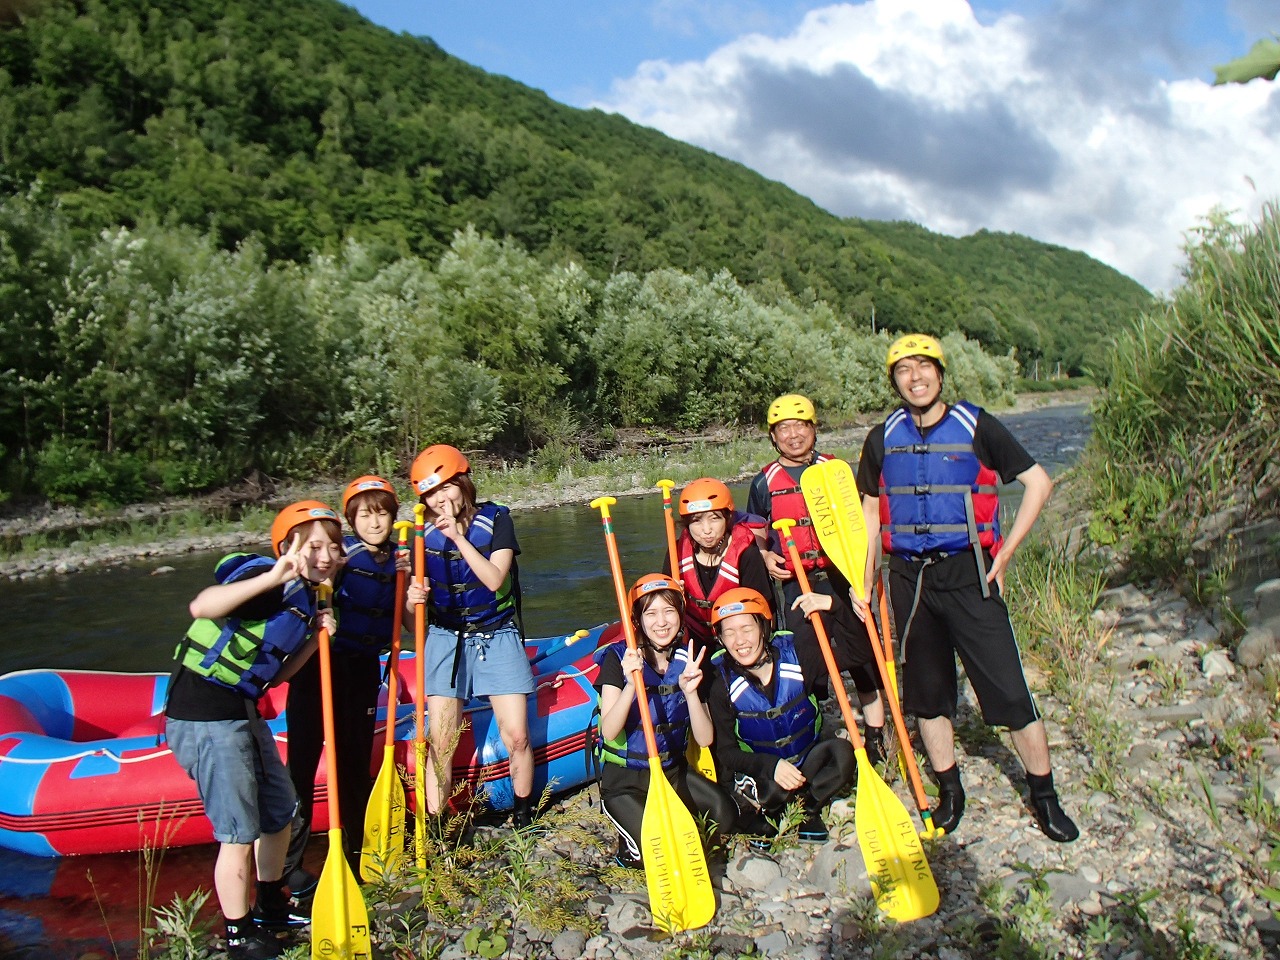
x=650, y=583
x=437, y=464
x=705, y=493
x=915, y=345
x=296, y=514
x=364, y=485
x=740, y=600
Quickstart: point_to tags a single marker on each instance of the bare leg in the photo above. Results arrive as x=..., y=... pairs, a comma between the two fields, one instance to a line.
x=444, y=719
x=511, y=710
x=231, y=878
x=939, y=740
x=872, y=705
x=1032, y=744
x=269, y=852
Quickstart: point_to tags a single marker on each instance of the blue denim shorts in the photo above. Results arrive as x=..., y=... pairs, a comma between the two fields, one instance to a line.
x=490, y=664
x=242, y=782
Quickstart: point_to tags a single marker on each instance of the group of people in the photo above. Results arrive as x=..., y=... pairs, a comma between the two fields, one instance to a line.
x=727, y=646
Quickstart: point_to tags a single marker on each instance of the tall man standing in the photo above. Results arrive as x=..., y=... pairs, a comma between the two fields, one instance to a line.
x=775, y=493
x=928, y=479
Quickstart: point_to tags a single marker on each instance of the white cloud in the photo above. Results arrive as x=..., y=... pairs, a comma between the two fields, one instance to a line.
x=913, y=109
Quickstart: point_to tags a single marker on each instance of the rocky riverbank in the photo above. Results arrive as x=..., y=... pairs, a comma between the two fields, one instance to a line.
x=1169, y=760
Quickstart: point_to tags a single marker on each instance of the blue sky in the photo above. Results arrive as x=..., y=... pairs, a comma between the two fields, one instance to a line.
x=1087, y=123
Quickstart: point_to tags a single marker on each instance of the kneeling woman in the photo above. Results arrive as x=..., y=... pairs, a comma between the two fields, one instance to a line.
x=672, y=679
x=767, y=723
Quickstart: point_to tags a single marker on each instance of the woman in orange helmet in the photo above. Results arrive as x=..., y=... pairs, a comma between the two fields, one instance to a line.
x=717, y=551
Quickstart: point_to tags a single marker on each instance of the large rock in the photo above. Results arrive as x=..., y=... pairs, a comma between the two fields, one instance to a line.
x=1259, y=642
x=1267, y=597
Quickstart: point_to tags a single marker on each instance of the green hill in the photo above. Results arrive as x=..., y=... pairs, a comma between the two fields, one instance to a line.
x=273, y=235
x=299, y=122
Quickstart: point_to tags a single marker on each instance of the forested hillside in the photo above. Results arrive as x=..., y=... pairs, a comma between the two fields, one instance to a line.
x=272, y=234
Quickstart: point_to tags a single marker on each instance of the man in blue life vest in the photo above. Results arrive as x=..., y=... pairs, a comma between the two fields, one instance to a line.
x=928, y=478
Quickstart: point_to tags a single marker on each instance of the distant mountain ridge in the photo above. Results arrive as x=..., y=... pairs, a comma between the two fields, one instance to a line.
x=300, y=123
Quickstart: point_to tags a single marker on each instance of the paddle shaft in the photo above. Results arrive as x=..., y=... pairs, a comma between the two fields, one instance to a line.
x=420, y=694
x=323, y=592
x=670, y=521
x=820, y=630
x=397, y=624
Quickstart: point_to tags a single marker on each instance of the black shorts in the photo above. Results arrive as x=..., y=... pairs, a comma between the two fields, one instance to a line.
x=950, y=622
x=849, y=642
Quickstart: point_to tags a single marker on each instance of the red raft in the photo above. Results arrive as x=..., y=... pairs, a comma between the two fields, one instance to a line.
x=84, y=768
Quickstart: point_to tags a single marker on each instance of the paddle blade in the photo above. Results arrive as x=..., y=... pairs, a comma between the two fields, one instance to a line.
x=382, y=851
x=901, y=880
x=831, y=494
x=680, y=893
x=700, y=759
x=339, y=918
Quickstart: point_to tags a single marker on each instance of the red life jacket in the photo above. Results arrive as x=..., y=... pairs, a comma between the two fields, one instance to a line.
x=697, y=611
x=786, y=502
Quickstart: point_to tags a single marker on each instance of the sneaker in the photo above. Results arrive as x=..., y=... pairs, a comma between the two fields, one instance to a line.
x=250, y=943
x=289, y=916
x=813, y=829
x=1053, y=820
x=624, y=859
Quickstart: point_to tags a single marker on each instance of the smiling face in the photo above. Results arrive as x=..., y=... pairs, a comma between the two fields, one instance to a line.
x=372, y=520
x=918, y=381
x=448, y=499
x=794, y=440
x=707, y=528
x=321, y=548
x=660, y=620
x=743, y=637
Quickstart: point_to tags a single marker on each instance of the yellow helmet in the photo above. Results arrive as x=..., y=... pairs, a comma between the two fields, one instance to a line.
x=915, y=345
x=792, y=406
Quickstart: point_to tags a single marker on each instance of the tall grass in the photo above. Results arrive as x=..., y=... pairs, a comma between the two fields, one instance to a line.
x=1189, y=414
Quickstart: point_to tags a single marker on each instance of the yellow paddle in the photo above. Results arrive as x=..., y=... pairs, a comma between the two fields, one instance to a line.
x=699, y=757
x=339, y=918
x=382, y=852
x=901, y=880
x=420, y=695
x=836, y=508
x=680, y=893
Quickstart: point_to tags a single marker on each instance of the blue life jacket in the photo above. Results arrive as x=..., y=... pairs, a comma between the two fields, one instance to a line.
x=246, y=655
x=459, y=601
x=935, y=495
x=365, y=600
x=667, y=707
x=786, y=726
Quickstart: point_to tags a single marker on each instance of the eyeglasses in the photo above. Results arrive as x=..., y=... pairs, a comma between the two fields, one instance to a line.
x=788, y=427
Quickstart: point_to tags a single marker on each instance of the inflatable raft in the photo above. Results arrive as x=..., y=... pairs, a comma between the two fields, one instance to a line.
x=84, y=768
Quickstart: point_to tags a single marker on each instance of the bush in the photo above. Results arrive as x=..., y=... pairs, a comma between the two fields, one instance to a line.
x=73, y=472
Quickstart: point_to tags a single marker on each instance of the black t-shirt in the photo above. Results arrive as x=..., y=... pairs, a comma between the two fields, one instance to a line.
x=730, y=754
x=193, y=697
x=995, y=447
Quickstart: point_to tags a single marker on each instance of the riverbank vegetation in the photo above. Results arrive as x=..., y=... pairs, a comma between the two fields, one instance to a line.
x=1187, y=430
x=283, y=239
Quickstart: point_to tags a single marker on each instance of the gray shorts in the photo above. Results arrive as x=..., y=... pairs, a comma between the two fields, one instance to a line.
x=489, y=664
x=242, y=782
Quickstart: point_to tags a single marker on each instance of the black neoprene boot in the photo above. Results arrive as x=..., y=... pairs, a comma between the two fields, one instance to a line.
x=522, y=813
x=873, y=738
x=1050, y=817
x=946, y=815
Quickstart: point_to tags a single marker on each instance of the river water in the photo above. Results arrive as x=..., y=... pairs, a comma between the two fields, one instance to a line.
x=125, y=618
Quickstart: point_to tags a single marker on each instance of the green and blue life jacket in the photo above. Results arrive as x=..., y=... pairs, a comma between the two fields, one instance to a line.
x=365, y=601
x=786, y=726
x=667, y=707
x=246, y=655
